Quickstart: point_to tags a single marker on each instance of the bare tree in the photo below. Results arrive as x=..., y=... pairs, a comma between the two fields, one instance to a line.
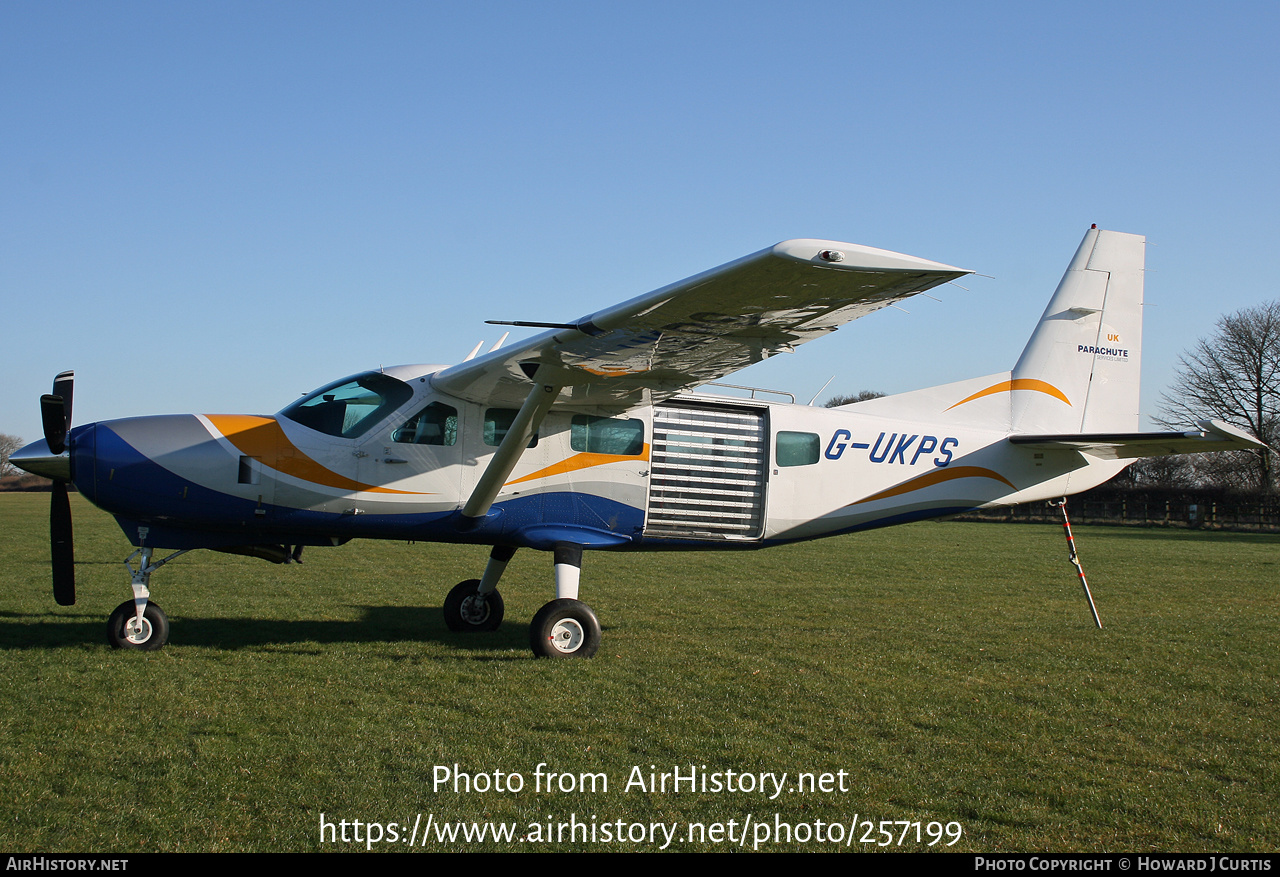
x=837, y=401
x=1233, y=376
x=8, y=444
x=1176, y=471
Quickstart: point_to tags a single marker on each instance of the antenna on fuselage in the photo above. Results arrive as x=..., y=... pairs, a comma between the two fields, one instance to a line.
x=820, y=389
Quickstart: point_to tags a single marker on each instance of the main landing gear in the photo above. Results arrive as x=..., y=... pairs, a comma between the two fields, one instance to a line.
x=564, y=628
x=467, y=610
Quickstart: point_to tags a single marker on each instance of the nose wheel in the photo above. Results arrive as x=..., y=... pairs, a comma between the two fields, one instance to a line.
x=140, y=624
x=126, y=631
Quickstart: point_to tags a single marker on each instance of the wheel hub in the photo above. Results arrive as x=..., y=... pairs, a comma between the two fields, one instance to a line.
x=474, y=609
x=137, y=633
x=567, y=635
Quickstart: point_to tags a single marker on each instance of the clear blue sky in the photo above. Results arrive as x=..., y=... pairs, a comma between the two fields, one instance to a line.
x=213, y=207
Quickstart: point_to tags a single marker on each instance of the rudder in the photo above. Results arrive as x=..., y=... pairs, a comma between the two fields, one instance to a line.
x=1080, y=371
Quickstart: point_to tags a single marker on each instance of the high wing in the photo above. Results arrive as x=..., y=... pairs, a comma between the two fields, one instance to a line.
x=1213, y=435
x=700, y=329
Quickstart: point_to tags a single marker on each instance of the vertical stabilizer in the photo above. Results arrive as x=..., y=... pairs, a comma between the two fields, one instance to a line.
x=1080, y=370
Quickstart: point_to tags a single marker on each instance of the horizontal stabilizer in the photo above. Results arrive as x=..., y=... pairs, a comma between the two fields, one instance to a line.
x=1213, y=435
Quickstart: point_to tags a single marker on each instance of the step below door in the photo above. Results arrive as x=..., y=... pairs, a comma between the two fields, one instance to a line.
x=707, y=472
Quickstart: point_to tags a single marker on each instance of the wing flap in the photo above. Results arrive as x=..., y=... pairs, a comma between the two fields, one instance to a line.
x=1213, y=435
x=700, y=329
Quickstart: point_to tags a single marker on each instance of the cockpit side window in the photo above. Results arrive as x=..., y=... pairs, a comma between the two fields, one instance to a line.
x=437, y=424
x=350, y=407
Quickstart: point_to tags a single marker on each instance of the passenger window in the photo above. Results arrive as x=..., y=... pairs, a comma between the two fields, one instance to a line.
x=497, y=422
x=797, y=448
x=606, y=435
x=437, y=424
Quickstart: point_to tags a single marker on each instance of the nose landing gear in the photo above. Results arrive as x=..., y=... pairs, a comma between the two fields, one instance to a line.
x=138, y=623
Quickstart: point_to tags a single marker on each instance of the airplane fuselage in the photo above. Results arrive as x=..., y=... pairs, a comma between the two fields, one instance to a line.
x=694, y=471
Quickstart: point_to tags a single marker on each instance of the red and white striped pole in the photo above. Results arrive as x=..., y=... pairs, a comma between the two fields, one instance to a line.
x=1075, y=558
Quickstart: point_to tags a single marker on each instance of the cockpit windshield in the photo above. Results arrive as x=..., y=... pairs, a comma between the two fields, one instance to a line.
x=350, y=407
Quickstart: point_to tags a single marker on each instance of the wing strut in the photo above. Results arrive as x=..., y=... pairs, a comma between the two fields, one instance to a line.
x=530, y=417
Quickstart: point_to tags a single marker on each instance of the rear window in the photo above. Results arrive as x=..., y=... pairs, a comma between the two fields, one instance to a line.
x=606, y=435
x=497, y=422
x=797, y=448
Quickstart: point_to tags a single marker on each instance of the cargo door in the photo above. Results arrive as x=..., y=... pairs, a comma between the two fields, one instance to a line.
x=707, y=472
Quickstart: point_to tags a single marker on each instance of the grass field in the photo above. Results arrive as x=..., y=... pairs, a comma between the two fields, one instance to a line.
x=951, y=671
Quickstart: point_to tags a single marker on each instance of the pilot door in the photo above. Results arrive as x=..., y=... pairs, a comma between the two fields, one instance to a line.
x=421, y=458
x=707, y=471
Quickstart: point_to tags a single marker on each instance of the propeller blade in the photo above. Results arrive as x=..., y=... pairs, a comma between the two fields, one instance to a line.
x=53, y=415
x=60, y=546
x=62, y=386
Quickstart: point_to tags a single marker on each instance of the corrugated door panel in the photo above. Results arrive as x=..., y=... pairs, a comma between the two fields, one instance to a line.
x=707, y=472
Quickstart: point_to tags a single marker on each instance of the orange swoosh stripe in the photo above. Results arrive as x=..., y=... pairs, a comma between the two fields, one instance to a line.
x=937, y=477
x=264, y=440
x=1019, y=384
x=581, y=461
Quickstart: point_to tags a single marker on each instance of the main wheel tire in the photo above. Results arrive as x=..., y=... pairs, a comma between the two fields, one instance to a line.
x=123, y=632
x=465, y=610
x=564, y=629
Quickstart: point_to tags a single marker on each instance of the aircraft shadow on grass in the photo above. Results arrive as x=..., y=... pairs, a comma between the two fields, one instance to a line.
x=377, y=624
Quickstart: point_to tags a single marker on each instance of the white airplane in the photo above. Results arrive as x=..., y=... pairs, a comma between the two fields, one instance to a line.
x=591, y=436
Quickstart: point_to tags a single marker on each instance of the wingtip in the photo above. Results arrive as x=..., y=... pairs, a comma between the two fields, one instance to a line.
x=838, y=254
